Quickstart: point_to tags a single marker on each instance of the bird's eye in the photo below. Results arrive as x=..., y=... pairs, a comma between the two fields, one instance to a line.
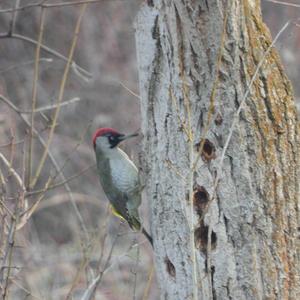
x=112, y=138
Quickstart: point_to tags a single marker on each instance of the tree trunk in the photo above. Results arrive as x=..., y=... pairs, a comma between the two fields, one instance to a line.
x=224, y=217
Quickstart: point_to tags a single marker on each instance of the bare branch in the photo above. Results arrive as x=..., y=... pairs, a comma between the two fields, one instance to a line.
x=60, y=183
x=12, y=24
x=50, y=5
x=85, y=74
x=149, y=282
x=52, y=106
x=40, y=109
x=34, y=91
x=284, y=3
x=25, y=290
x=60, y=95
x=129, y=90
x=7, y=258
x=54, y=162
x=13, y=172
x=9, y=103
x=11, y=141
x=91, y=289
x=44, y=59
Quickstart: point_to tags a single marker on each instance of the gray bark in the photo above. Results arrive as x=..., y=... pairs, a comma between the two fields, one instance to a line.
x=234, y=238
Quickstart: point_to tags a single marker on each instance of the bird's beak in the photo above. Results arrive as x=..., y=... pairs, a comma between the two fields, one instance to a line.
x=125, y=137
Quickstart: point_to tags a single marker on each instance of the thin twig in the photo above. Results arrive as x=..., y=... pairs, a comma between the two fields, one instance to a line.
x=13, y=172
x=56, y=185
x=12, y=142
x=42, y=4
x=49, y=182
x=51, y=106
x=13, y=21
x=24, y=202
x=104, y=229
x=31, y=5
x=43, y=59
x=9, y=103
x=82, y=266
x=71, y=152
x=284, y=3
x=149, y=282
x=90, y=291
x=9, y=251
x=129, y=90
x=55, y=164
x=28, y=293
x=12, y=146
x=25, y=215
x=6, y=208
x=34, y=92
x=135, y=271
x=59, y=170
x=87, y=75
x=71, y=3
x=40, y=109
x=60, y=96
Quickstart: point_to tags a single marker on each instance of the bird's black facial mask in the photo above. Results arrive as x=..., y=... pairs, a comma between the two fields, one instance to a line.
x=114, y=139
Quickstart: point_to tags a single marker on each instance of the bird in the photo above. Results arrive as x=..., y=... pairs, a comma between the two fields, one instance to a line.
x=119, y=177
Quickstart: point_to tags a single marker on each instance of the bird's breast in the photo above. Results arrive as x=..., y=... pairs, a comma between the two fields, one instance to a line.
x=124, y=175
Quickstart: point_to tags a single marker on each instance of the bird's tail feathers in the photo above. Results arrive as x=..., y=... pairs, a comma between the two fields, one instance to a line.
x=148, y=236
x=135, y=224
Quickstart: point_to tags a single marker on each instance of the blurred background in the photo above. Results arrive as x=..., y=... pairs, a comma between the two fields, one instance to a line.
x=71, y=237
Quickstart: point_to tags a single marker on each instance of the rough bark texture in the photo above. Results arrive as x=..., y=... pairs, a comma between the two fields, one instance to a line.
x=245, y=238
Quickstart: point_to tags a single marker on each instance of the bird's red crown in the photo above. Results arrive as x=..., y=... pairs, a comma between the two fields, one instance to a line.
x=103, y=131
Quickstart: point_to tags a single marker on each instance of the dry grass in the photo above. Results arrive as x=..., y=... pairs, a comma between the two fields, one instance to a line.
x=58, y=238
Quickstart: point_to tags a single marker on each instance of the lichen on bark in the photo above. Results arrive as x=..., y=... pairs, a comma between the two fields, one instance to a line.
x=196, y=60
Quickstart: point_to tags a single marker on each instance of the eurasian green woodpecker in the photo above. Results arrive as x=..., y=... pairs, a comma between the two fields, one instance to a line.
x=119, y=176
